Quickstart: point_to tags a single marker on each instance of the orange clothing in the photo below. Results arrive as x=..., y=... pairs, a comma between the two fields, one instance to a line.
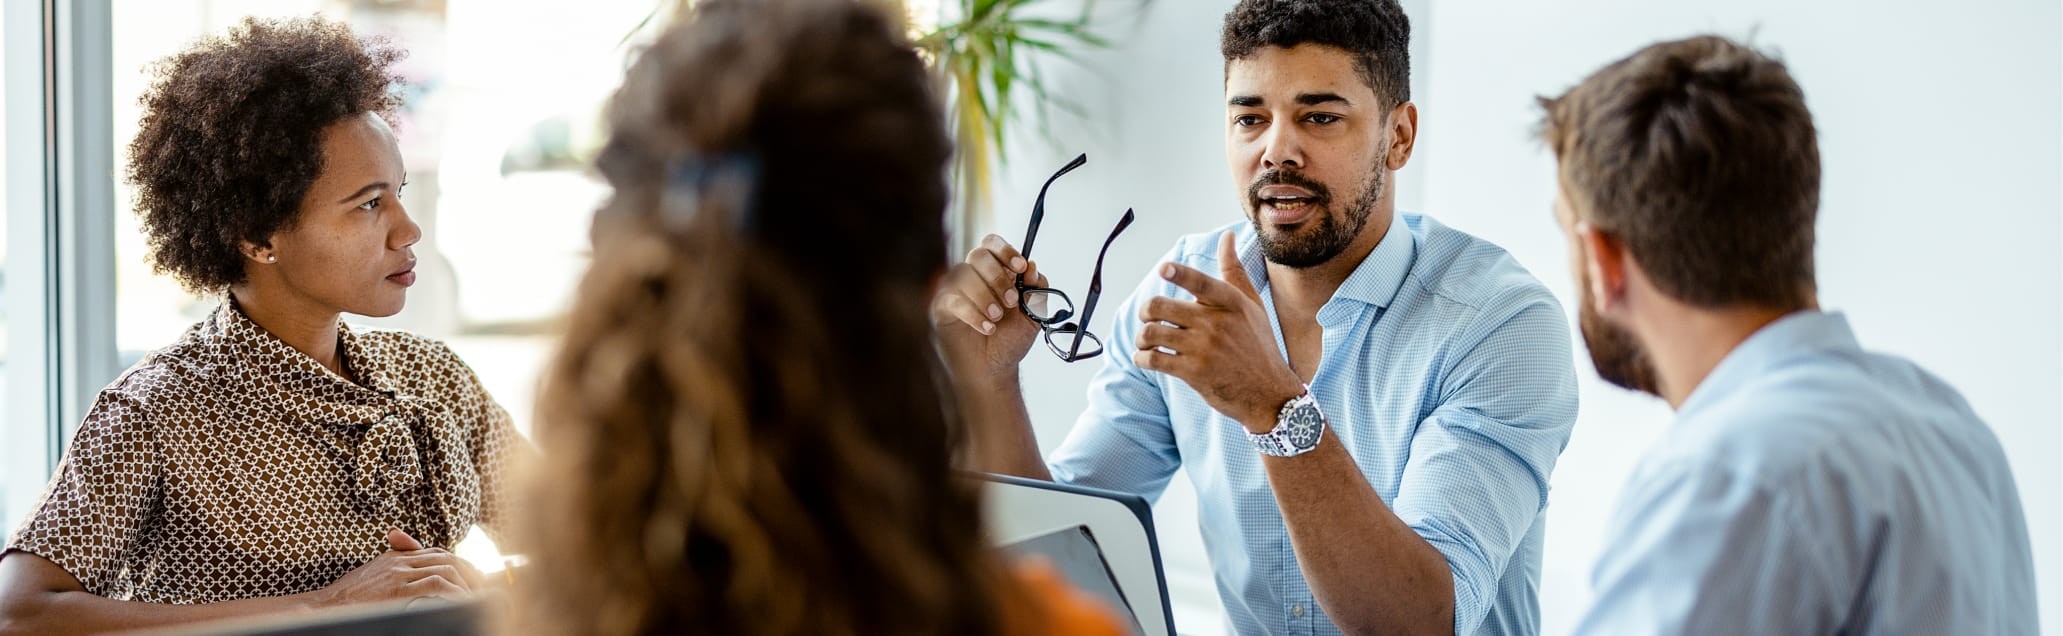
x=1050, y=606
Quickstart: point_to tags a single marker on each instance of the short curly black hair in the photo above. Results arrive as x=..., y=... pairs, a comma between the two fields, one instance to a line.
x=1375, y=31
x=231, y=141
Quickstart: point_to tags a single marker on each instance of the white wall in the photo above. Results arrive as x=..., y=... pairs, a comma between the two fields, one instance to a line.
x=1939, y=230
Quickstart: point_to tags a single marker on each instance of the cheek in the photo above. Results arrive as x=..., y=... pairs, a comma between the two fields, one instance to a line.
x=344, y=251
x=1575, y=261
x=1245, y=163
x=1343, y=167
x=1244, y=155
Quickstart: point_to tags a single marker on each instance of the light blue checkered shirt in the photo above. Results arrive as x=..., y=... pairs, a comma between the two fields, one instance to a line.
x=1811, y=487
x=1446, y=373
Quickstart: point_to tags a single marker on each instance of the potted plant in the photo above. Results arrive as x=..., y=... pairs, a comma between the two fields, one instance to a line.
x=986, y=56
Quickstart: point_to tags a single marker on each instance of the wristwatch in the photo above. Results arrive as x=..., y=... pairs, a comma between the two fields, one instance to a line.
x=1297, y=428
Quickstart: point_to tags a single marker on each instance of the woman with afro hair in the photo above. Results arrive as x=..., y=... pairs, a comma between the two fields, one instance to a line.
x=272, y=458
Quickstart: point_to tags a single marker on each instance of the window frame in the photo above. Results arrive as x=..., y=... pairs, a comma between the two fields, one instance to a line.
x=60, y=232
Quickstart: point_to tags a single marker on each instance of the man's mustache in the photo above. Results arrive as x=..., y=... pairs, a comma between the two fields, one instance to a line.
x=1320, y=195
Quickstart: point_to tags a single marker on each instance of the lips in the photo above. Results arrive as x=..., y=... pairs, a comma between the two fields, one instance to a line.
x=1286, y=212
x=1284, y=192
x=405, y=277
x=1286, y=197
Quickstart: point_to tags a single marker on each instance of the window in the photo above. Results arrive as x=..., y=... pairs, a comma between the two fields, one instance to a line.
x=13, y=473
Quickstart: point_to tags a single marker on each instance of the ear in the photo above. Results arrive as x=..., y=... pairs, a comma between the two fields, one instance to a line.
x=1606, y=262
x=1403, y=135
x=257, y=252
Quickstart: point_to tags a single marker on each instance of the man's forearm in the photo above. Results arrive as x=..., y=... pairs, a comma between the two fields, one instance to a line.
x=1001, y=428
x=1370, y=571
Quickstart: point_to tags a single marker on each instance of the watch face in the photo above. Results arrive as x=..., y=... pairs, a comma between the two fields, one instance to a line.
x=1305, y=424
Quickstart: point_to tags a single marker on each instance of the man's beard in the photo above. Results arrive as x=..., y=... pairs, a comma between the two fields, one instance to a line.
x=1323, y=237
x=1619, y=358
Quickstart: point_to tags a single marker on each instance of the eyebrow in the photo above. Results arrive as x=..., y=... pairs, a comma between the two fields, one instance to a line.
x=1303, y=99
x=1314, y=99
x=369, y=188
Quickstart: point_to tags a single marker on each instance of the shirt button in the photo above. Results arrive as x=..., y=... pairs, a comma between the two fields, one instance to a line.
x=1297, y=610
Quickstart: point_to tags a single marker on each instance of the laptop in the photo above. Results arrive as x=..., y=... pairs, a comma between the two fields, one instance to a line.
x=1101, y=536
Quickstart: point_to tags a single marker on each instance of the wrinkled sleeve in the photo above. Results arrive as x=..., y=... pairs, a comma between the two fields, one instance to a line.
x=92, y=517
x=1124, y=441
x=1477, y=477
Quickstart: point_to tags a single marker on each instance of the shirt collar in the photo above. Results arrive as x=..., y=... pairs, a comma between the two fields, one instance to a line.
x=1374, y=282
x=275, y=358
x=1774, y=344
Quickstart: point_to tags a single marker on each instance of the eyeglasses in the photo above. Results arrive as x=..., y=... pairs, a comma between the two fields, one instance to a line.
x=1050, y=308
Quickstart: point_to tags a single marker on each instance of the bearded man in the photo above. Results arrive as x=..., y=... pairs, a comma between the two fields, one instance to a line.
x=1369, y=404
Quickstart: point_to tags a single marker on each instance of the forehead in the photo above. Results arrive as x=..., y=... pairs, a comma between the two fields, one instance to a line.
x=360, y=143
x=1304, y=68
x=361, y=132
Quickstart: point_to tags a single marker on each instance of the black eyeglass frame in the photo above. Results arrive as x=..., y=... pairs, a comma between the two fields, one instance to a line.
x=1057, y=323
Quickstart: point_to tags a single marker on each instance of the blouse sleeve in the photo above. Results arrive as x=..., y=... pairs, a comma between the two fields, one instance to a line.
x=503, y=450
x=92, y=517
x=499, y=450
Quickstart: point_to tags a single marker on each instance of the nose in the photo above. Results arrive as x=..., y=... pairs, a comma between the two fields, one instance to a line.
x=1283, y=150
x=405, y=232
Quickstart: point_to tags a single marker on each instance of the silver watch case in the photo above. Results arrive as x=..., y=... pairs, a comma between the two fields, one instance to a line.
x=1298, y=428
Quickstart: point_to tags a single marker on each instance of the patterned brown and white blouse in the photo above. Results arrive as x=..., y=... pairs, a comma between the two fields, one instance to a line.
x=230, y=465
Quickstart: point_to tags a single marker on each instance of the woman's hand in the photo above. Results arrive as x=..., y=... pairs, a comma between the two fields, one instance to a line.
x=406, y=571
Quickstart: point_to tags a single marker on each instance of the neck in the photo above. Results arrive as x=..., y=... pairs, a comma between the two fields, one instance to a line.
x=1311, y=287
x=309, y=330
x=1686, y=343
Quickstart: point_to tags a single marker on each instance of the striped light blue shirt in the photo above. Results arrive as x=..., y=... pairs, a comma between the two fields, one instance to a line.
x=1446, y=373
x=1811, y=487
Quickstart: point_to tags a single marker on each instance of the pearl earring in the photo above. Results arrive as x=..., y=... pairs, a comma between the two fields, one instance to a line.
x=271, y=259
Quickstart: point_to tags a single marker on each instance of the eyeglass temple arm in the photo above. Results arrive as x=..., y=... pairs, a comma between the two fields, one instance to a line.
x=1096, y=284
x=1039, y=206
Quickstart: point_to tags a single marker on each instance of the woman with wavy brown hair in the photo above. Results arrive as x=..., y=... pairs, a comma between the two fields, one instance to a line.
x=747, y=429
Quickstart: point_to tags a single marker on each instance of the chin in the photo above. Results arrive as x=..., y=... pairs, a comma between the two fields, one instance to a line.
x=384, y=308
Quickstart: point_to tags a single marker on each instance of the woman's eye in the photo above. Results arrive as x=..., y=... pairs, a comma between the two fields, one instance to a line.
x=371, y=205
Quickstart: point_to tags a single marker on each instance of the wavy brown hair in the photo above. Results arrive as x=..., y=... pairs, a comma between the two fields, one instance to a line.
x=746, y=428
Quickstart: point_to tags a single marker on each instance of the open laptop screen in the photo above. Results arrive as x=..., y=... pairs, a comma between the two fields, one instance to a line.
x=1075, y=553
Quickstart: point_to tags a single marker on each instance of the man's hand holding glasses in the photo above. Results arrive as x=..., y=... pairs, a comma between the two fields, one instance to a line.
x=992, y=307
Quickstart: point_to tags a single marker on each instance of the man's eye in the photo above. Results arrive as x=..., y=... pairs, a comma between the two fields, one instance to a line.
x=1246, y=120
x=371, y=205
x=1323, y=119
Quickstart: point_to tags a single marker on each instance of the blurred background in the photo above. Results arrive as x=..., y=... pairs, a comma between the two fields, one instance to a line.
x=1941, y=231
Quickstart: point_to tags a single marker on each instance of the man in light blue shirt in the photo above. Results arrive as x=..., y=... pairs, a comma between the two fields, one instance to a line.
x=1369, y=404
x=1807, y=486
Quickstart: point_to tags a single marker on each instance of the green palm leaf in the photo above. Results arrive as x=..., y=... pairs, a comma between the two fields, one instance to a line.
x=996, y=45
x=987, y=62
